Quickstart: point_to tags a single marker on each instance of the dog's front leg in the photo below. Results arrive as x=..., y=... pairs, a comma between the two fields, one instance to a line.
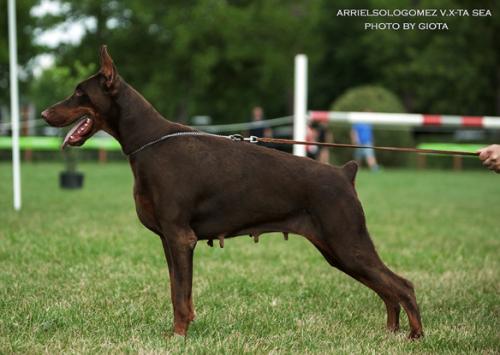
x=179, y=244
x=166, y=251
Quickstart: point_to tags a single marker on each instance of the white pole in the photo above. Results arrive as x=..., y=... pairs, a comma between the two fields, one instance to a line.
x=14, y=105
x=300, y=104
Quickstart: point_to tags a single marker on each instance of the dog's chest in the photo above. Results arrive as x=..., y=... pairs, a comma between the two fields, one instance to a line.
x=144, y=204
x=145, y=211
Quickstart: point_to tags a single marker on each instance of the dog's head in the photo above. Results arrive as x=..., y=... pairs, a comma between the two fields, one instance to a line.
x=91, y=107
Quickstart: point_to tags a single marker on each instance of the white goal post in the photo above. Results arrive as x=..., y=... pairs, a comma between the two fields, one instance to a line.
x=14, y=105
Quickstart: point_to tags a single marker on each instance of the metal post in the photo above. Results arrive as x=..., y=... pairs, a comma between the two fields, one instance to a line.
x=300, y=104
x=14, y=104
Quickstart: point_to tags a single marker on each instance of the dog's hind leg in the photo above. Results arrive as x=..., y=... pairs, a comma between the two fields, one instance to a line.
x=394, y=290
x=179, y=247
x=344, y=241
x=393, y=311
x=362, y=262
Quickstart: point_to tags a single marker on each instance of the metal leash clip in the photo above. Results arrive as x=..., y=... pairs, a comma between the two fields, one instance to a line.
x=240, y=138
x=236, y=137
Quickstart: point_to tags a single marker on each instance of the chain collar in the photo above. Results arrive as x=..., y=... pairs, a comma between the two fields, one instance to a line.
x=233, y=137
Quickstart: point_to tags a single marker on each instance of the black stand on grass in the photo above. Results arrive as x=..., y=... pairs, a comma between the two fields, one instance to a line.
x=70, y=178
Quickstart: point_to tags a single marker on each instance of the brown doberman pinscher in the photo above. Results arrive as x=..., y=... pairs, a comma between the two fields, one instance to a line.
x=193, y=187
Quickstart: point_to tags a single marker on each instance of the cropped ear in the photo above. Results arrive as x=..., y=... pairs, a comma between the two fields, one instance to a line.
x=350, y=169
x=108, y=69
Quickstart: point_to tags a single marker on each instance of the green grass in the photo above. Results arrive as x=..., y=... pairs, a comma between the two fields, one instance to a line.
x=79, y=274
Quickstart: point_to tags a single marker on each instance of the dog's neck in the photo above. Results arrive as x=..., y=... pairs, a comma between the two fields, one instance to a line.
x=138, y=122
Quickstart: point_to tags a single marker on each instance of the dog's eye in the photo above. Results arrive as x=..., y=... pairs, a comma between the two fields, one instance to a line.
x=79, y=92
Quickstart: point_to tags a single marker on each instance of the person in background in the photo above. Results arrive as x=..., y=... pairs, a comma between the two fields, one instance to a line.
x=259, y=129
x=490, y=156
x=362, y=134
x=312, y=151
x=324, y=136
x=318, y=132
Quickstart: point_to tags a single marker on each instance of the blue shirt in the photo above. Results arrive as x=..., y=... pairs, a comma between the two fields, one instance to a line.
x=364, y=133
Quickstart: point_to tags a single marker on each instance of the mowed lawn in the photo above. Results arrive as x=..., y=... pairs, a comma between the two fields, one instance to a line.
x=79, y=274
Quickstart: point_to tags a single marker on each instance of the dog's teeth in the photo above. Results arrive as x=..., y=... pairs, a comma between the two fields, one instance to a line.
x=285, y=235
x=221, y=241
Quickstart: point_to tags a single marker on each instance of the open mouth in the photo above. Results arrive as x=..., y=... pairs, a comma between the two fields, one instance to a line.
x=79, y=133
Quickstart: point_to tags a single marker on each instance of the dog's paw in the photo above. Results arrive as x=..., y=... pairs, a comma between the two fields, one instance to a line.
x=415, y=334
x=393, y=328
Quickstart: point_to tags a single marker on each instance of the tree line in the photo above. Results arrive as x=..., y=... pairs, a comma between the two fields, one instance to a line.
x=221, y=57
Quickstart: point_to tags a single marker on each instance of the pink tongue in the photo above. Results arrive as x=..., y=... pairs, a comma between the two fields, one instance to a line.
x=76, y=132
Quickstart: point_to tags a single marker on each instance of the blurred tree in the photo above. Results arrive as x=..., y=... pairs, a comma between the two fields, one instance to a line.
x=446, y=72
x=341, y=63
x=220, y=57
x=26, y=49
x=368, y=98
x=205, y=57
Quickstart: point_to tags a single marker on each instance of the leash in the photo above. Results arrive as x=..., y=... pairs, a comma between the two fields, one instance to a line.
x=357, y=146
x=254, y=139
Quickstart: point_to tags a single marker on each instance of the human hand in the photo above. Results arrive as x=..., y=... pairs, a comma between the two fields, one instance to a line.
x=490, y=157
